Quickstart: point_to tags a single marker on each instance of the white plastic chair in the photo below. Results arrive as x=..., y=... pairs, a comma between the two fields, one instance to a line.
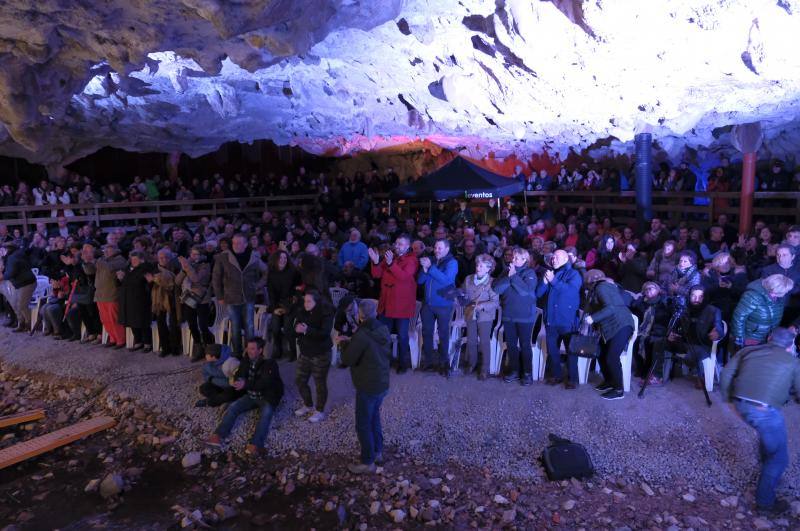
x=415, y=336
x=710, y=367
x=458, y=330
x=496, y=353
x=626, y=359
x=187, y=341
x=497, y=362
x=220, y=325
x=154, y=333
x=35, y=303
x=261, y=321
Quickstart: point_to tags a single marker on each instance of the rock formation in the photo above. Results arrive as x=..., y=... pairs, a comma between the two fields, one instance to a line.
x=336, y=76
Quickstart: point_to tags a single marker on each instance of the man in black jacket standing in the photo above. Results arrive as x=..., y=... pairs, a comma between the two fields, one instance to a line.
x=368, y=354
x=261, y=380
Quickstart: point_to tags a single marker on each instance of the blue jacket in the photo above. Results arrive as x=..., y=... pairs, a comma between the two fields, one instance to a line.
x=440, y=276
x=354, y=252
x=518, y=296
x=212, y=370
x=562, y=298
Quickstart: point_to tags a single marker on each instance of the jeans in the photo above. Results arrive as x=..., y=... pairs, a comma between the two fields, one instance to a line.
x=555, y=335
x=368, y=425
x=610, y=351
x=403, y=350
x=768, y=422
x=431, y=315
x=518, y=338
x=243, y=405
x=241, y=316
x=52, y=314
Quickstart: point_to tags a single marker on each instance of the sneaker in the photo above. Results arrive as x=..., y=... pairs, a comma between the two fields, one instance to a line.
x=603, y=387
x=527, y=379
x=147, y=348
x=613, y=394
x=779, y=507
x=303, y=411
x=511, y=378
x=318, y=416
x=379, y=458
x=214, y=441
x=361, y=468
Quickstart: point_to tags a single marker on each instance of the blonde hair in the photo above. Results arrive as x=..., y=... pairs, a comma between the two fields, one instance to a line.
x=519, y=251
x=777, y=285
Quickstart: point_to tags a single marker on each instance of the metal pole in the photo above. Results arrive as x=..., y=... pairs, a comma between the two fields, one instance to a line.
x=644, y=179
x=746, y=196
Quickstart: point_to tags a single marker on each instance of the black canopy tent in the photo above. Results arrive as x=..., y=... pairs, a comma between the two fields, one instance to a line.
x=459, y=178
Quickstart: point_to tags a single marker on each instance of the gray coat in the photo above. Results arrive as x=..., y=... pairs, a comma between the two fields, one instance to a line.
x=234, y=285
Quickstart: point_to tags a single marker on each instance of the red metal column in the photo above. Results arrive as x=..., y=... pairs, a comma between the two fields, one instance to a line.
x=746, y=197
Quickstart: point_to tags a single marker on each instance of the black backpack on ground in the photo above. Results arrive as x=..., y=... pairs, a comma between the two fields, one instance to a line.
x=564, y=459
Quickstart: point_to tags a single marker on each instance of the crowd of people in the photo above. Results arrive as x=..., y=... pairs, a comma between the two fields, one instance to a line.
x=690, y=286
x=775, y=176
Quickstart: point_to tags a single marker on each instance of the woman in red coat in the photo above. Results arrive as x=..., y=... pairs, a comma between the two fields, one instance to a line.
x=397, y=270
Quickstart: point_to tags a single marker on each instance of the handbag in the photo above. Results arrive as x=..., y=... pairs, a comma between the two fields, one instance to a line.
x=584, y=345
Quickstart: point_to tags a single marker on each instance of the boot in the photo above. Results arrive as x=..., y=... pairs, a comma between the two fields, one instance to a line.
x=198, y=352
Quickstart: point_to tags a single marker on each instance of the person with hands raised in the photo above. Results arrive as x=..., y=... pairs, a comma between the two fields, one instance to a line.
x=438, y=277
x=397, y=303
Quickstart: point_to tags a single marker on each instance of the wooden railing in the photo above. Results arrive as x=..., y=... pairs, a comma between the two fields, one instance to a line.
x=675, y=205
x=159, y=212
x=620, y=205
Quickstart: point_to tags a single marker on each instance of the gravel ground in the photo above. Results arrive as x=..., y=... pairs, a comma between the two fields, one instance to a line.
x=669, y=438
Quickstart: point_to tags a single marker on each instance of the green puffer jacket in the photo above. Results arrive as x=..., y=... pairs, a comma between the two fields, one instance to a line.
x=756, y=314
x=608, y=310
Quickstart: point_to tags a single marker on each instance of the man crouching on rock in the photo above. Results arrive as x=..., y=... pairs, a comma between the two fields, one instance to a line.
x=368, y=355
x=261, y=381
x=758, y=380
